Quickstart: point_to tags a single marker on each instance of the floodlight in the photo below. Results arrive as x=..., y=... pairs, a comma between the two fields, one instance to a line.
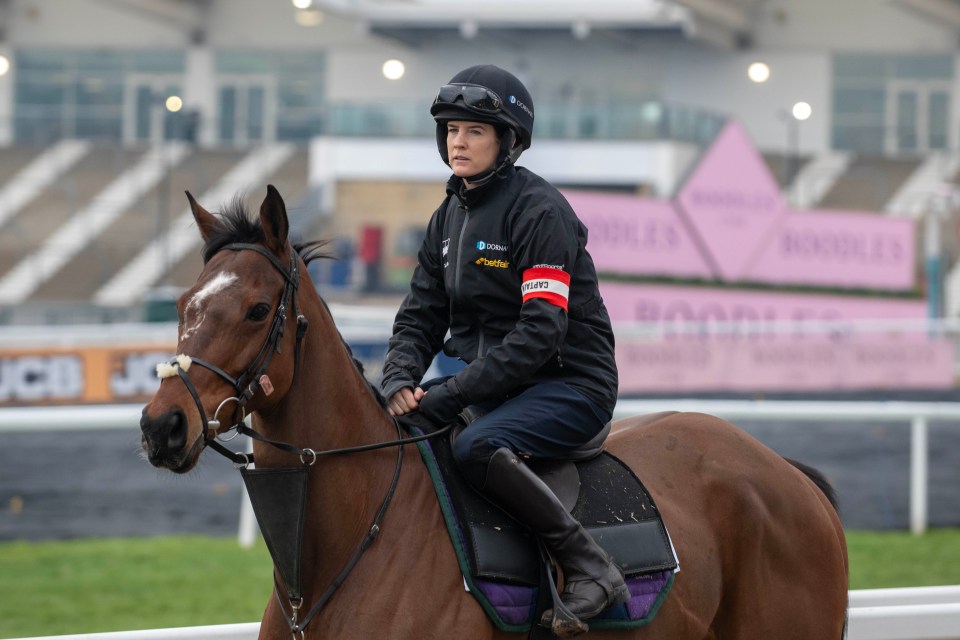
x=759, y=72
x=393, y=69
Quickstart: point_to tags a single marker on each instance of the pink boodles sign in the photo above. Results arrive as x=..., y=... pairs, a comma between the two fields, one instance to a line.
x=731, y=201
x=637, y=235
x=838, y=248
x=769, y=355
x=785, y=364
x=730, y=222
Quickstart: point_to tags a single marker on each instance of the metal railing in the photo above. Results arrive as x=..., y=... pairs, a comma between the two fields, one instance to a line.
x=917, y=415
x=921, y=613
x=926, y=613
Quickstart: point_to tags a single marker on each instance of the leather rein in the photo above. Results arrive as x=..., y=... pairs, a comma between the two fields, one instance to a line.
x=254, y=379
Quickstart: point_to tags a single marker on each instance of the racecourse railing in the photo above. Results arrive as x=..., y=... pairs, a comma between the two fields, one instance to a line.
x=922, y=613
x=926, y=613
x=917, y=415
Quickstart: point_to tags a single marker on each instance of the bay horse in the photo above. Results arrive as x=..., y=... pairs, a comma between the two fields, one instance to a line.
x=761, y=548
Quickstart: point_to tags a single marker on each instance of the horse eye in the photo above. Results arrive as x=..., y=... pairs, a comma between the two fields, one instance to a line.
x=259, y=311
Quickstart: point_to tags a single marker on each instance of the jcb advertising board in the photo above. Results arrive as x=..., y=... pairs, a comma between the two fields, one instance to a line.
x=81, y=375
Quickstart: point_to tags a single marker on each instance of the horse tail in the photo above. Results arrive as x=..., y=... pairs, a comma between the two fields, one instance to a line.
x=820, y=480
x=831, y=494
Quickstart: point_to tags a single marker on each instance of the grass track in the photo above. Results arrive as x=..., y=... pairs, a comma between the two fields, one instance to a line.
x=86, y=586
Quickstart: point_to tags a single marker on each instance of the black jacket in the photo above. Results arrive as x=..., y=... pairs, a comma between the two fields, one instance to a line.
x=480, y=247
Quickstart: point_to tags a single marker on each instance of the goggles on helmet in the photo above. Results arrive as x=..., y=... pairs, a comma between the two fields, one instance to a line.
x=474, y=96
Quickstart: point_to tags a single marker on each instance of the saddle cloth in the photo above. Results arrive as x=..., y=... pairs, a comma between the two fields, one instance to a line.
x=499, y=557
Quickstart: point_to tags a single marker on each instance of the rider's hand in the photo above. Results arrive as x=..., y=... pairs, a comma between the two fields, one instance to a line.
x=442, y=403
x=405, y=401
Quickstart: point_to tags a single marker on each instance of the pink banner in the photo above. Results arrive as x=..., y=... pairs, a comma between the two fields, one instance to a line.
x=732, y=201
x=729, y=221
x=655, y=303
x=834, y=248
x=774, y=357
x=788, y=364
x=634, y=235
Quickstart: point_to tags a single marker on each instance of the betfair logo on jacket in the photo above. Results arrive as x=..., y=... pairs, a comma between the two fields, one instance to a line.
x=487, y=262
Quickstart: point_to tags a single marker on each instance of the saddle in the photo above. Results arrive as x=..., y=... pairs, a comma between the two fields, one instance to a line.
x=499, y=557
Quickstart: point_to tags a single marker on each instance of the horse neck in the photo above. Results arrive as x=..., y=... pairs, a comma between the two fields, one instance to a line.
x=330, y=406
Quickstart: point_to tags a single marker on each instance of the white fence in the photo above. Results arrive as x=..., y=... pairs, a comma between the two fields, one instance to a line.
x=923, y=613
x=931, y=613
x=917, y=415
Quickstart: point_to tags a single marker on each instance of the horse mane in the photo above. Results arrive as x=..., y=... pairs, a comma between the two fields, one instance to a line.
x=821, y=481
x=237, y=226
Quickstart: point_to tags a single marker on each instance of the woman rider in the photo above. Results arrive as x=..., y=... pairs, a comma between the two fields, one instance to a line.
x=504, y=269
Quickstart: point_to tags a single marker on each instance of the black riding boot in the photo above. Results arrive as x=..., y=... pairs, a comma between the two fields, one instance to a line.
x=592, y=582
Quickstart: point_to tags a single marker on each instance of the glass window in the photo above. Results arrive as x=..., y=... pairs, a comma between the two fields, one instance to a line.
x=938, y=116
x=83, y=89
x=228, y=113
x=907, y=121
x=297, y=90
x=866, y=85
x=255, y=113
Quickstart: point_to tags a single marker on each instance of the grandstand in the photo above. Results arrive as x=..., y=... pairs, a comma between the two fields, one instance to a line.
x=94, y=161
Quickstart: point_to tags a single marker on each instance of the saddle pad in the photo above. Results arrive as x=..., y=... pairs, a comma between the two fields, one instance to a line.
x=499, y=557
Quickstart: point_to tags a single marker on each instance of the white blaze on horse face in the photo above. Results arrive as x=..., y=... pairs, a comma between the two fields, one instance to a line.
x=194, y=312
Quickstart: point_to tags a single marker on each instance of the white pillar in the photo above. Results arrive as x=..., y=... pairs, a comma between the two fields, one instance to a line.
x=6, y=99
x=918, y=475
x=200, y=92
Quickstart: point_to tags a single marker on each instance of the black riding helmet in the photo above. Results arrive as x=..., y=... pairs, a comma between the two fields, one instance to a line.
x=487, y=93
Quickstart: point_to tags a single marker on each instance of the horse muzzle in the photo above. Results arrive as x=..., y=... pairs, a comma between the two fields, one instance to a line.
x=164, y=439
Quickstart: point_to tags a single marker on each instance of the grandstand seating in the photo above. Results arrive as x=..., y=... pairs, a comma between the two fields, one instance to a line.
x=30, y=226
x=290, y=179
x=784, y=168
x=15, y=158
x=80, y=189
x=868, y=183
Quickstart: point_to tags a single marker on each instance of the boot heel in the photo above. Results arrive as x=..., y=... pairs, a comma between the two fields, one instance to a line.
x=620, y=595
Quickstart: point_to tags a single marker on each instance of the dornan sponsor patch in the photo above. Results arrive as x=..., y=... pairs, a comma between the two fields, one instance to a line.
x=553, y=285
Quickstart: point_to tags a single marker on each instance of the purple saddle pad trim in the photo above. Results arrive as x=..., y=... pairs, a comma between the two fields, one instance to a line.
x=515, y=603
x=644, y=591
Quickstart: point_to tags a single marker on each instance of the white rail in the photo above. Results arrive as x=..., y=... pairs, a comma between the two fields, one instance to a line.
x=923, y=613
x=917, y=414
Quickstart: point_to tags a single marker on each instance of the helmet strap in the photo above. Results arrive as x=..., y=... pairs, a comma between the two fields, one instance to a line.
x=483, y=178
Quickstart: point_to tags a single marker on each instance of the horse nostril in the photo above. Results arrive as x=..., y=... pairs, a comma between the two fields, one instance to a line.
x=175, y=426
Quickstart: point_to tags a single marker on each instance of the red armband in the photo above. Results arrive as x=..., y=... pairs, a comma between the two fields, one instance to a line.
x=553, y=285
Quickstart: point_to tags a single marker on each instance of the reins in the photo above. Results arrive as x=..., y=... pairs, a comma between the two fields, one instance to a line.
x=246, y=385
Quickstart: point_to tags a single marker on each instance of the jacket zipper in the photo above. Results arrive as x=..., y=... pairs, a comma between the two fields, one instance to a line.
x=463, y=228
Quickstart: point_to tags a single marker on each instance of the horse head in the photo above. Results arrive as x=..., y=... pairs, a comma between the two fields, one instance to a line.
x=238, y=336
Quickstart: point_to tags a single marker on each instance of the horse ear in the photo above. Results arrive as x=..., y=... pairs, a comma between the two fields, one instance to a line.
x=273, y=217
x=206, y=221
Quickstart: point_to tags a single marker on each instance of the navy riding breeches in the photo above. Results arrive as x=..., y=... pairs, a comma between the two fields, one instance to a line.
x=544, y=421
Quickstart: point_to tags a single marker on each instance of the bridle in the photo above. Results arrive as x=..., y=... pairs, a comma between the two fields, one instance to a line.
x=246, y=385
x=253, y=378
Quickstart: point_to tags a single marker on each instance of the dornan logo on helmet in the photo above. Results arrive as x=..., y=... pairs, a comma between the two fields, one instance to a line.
x=522, y=105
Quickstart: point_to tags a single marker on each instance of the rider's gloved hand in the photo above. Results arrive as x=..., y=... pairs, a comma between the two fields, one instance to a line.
x=443, y=402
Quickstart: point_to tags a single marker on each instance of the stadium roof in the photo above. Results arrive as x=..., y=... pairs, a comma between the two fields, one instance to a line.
x=722, y=22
